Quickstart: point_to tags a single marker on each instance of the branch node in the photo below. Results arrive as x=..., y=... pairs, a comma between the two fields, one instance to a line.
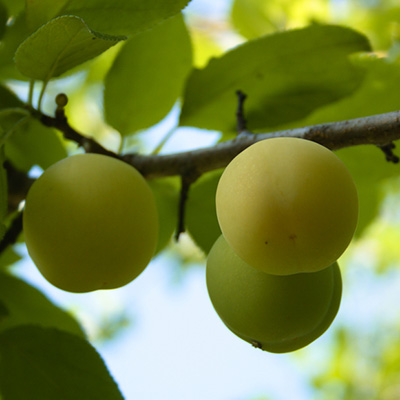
x=388, y=151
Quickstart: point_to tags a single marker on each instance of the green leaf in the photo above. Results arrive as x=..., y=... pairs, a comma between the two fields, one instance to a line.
x=286, y=76
x=166, y=194
x=27, y=305
x=8, y=99
x=253, y=18
x=147, y=76
x=31, y=143
x=46, y=364
x=14, y=6
x=3, y=19
x=9, y=257
x=14, y=35
x=122, y=17
x=201, y=216
x=60, y=45
x=3, y=312
x=3, y=230
x=38, y=12
x=369, y=170
x=377, y=94
x=3, y=193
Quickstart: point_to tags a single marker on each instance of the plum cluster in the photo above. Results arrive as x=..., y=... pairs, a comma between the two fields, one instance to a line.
x=287, y=209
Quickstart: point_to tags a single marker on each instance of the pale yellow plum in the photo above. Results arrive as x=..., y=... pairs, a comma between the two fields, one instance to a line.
x=90, y=222
x=287, y=205
x=275, y=313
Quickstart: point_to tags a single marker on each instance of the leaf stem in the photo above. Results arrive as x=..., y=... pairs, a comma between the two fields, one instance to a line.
x=30, y=95
x=42, y=94
x=163, y=141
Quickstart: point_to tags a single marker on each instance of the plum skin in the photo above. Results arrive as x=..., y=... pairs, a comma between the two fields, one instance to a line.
x=287, y=205
x=276, y=313
x=90, y=222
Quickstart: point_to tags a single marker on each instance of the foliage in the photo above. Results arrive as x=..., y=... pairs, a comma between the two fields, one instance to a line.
x=127, y=66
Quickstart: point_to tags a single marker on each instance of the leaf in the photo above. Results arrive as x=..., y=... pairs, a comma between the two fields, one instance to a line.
x=31, y=143
x=60, y=45
x=147, y=76
x=253, y=18
x=286, y=76
x=3, y=193
x=45, y=364
x=201, y=216
x=376, y=95
x=166, y=195
x=3, y=312
x=369, y=170
x=123, y=17
x=38, y=12
x=14, y=35
x=14, y=6
x=3, y=19
x=9, y=257
x=27, y=305
x=8, y=99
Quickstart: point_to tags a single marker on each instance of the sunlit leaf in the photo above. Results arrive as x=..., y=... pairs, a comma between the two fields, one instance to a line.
x=122, y=17
x=27, y=305
x=204, y=47
x=286, y=76
x=45, y=364
x=147, y=76
x=60, y=45
x=254, y=18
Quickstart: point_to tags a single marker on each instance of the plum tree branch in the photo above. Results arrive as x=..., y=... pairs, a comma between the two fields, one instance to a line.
x=379, y=130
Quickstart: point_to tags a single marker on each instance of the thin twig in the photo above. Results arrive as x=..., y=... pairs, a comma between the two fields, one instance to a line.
x=388, y=151
x=188, y=177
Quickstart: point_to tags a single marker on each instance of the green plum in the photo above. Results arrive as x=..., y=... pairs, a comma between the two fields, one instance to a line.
x=90, y=222
x=273, y=312
x=287, y=205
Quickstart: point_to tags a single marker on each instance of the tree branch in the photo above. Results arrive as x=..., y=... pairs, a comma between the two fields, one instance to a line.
x=379, y=130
